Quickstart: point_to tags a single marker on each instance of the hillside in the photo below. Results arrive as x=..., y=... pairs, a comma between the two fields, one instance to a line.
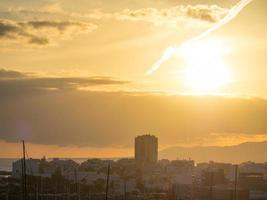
x=250, y=151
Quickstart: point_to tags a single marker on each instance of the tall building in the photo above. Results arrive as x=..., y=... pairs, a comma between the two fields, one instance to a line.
x=146, y=149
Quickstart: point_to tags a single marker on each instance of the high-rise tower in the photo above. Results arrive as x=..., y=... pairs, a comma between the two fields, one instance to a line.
x=146, y=149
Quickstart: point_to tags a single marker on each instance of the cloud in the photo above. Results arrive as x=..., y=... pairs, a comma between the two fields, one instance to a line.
x=57, y=83
x=14, y=82
x=174, y=15
x=210, y=14
x=41, y=32
x=168, y=16
x=106, y=119
x=11, y=74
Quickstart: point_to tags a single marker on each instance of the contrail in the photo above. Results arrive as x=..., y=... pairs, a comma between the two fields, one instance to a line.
x=170, y=51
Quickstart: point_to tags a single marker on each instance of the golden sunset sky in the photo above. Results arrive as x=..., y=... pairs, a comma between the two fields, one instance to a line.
x=74, y=82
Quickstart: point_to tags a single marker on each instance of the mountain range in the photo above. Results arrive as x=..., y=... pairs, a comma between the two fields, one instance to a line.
x=249, y=151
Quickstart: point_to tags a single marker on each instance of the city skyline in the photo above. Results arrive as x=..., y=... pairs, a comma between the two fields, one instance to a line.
x=141, y=177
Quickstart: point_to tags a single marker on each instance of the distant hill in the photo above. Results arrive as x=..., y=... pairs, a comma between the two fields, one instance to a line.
x=249, y=151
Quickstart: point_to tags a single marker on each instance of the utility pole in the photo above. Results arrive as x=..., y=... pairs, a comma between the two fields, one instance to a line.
x=7, y=192
x=235, y=191
x=41, y=188
x=37, y=191
x=76, y=184
x=69, y=194
x=22, y=179
x=192, y=197
x=211, y=185
x=125, y=188
x=124, y=176
x=23, y=173
x=107, y=184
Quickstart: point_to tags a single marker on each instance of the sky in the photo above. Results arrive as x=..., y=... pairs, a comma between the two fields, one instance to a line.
x=74, y=82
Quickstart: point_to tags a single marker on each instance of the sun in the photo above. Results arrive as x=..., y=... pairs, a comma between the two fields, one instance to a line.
x=205, y=69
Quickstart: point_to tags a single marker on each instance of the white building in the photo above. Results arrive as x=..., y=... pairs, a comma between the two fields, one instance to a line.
x=32, y=167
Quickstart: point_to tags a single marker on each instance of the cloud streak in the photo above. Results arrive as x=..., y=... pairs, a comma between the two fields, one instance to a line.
x=41, y=32
x=18, y=82
x=169, y=52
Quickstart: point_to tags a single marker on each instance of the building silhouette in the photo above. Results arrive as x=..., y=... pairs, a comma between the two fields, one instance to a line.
x=146, y=149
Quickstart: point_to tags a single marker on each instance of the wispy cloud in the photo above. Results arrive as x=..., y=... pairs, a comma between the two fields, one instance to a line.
x=51, y=22
x=156, y=16
x=41, y=32
x=174, y=15
x=11, y=81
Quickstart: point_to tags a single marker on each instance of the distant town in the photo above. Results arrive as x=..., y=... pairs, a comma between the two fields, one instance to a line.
x=139, y=178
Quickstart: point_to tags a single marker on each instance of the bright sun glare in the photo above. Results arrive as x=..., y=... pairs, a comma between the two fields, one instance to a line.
x=205, y=69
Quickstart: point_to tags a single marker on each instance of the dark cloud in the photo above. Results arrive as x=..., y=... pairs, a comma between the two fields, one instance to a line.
x=16, y=83
x=60, y=26
x=11, y=74
x=114, y=118
x=57, y=83
x=41, y=32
